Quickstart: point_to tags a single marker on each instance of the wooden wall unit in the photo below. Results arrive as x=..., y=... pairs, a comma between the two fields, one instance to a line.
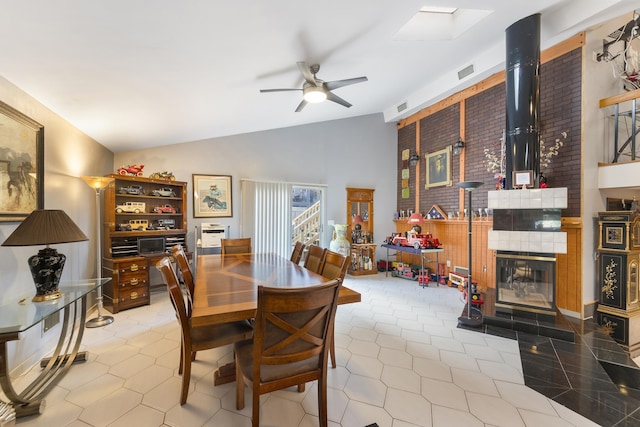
x=121, y=259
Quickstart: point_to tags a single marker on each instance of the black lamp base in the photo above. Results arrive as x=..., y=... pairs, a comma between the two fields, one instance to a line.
x=474, y=320
x=46, y=268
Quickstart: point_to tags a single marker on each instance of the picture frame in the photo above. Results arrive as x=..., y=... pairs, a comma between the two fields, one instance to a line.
x=522, y=179
x=438, y=169
x=212, y=196
x=21, y=165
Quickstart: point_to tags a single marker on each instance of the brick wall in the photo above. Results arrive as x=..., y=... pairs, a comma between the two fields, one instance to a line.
x=406, y=140
x=560, y=111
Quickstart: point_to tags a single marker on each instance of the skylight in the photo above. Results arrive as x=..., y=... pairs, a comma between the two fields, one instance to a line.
x=439, y=23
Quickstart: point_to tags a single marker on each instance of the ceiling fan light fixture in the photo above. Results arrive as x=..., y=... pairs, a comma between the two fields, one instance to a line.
x=314, y=94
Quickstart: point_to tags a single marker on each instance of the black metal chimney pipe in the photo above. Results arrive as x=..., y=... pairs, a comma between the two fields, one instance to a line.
x=523, y=95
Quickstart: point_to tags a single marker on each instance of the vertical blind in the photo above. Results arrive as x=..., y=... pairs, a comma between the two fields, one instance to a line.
x=266, y=215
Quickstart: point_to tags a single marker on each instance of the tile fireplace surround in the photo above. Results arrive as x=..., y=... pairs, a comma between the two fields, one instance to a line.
x=527, y=203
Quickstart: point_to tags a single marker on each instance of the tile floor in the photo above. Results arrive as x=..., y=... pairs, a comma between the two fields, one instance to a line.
x=402, y=362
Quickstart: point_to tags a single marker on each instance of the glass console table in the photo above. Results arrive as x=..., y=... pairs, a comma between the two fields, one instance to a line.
x=17, y=317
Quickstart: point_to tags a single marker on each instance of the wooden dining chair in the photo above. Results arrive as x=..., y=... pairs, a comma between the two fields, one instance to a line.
x=185, y=270
x=334, y=266
x=290, y=342
x=296, y=254
x=315, y=256
x=236, y=246
x=196, y=338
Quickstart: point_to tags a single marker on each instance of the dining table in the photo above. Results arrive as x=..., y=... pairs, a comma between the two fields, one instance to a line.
x=226, y=289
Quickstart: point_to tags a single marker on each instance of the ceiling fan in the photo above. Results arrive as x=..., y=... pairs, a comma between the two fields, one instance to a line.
x=315, y=90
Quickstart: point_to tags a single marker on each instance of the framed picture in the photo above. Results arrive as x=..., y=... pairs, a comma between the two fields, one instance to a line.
x=212, y=196
x=21, y=165
x=522, y=179
x=438, y=168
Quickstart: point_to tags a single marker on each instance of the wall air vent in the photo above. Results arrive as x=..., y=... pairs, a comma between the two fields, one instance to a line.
x=402, y=107
x=466, y=71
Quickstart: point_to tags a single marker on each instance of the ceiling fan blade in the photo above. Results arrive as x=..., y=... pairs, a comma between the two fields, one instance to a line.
x=335, y=98
x=301, y=106
x=306, y=73
x=346, y=82
x=278, y=90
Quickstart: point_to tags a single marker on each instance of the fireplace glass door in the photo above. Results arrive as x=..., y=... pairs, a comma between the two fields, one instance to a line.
x=525, y=281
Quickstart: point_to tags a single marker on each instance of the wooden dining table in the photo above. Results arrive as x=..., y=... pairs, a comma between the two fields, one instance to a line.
x=226, y=289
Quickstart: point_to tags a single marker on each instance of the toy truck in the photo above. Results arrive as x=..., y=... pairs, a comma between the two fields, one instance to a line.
x=417, y=241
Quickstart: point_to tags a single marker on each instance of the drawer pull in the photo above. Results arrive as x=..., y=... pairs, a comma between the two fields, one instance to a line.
x=134, y=295
x=134, y=282
x=134, y=267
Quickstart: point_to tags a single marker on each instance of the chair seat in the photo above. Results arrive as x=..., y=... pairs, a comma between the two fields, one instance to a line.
x=212, y=336
x=244, y=356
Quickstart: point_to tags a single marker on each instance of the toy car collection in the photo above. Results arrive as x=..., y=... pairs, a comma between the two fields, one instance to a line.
x=131, y=170
x=131, y=207
x=132, y=189
x=164, y=209
x=163, y=192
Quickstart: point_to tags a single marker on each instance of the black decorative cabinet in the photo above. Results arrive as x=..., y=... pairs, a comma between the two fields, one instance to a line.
x=619, y=277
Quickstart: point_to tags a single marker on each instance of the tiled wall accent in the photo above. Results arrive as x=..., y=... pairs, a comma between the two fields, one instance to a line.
x=528, y=241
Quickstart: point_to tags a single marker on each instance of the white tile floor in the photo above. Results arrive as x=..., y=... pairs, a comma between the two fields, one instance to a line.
x=401, y=362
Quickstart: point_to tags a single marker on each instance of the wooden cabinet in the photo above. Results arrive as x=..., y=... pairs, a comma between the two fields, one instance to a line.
x=143, y=218
x=360, y=231
x=619, y=277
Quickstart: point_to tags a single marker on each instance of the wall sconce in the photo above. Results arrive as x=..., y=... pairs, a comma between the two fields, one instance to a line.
x=414, y=159
x=458, y=146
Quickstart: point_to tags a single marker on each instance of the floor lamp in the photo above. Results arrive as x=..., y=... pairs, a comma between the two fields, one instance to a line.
x=474, y=316
x=98, y=183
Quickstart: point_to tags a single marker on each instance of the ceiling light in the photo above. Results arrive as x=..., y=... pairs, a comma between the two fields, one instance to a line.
x=314, y=94
x=435, y=9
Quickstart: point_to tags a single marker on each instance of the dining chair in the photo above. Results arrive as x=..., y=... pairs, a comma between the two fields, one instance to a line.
x=185, y=269
x=334, y=266
x=313, y=261
x=196, y=338
x=296, y=254
x=289, y=344
x=236, y=246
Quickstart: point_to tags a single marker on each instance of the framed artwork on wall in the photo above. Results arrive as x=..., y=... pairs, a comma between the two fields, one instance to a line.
x=21, y=165
x=438, y=168
x=212, y=196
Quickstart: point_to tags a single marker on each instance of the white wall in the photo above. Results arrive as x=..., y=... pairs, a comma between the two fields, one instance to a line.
x=598, y=82
x=356, y=152
x=68, y=154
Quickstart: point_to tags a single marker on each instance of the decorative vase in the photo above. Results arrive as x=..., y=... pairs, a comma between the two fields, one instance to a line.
x=340, y=244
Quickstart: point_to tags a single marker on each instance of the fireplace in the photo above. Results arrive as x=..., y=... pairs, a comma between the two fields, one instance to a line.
x=526, y=281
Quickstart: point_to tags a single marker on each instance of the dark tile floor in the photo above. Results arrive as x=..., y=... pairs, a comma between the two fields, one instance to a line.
x=572, y=362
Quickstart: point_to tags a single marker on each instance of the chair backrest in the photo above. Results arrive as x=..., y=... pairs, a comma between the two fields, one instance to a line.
x=296, y=254
x=185, y=270
x=294, y=324
x=176, y=295
x=334, y=265
x=314, y=259
x=236, y=246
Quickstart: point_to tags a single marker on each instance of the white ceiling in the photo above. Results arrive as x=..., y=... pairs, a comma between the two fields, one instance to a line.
x=143, y=73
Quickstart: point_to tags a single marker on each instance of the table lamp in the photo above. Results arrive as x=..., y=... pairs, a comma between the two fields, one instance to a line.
x=98, y=183
x=46, y=227
x=416, y=219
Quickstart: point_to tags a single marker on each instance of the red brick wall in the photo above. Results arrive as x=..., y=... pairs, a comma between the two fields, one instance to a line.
x=560, y=111
x=438, y=131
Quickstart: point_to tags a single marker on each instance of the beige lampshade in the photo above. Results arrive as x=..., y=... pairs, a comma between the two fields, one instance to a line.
x=45, y=227
x=98, y=182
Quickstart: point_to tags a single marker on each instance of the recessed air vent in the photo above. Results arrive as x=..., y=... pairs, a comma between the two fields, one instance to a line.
x=402, y=107
x=466, y=71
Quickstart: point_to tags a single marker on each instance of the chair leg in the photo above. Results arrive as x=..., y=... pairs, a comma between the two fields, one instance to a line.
x=255, y=409
x=301, y=387
x=186, y=378
x=239, y=387
x=181, y=358
x=322, y=401
x=332, y=351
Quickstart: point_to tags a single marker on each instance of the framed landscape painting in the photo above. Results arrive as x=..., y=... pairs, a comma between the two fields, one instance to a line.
x=212, y=196
x=21, y=165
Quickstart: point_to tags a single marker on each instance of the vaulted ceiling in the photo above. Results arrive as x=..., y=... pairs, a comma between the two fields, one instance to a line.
x=144, y=73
